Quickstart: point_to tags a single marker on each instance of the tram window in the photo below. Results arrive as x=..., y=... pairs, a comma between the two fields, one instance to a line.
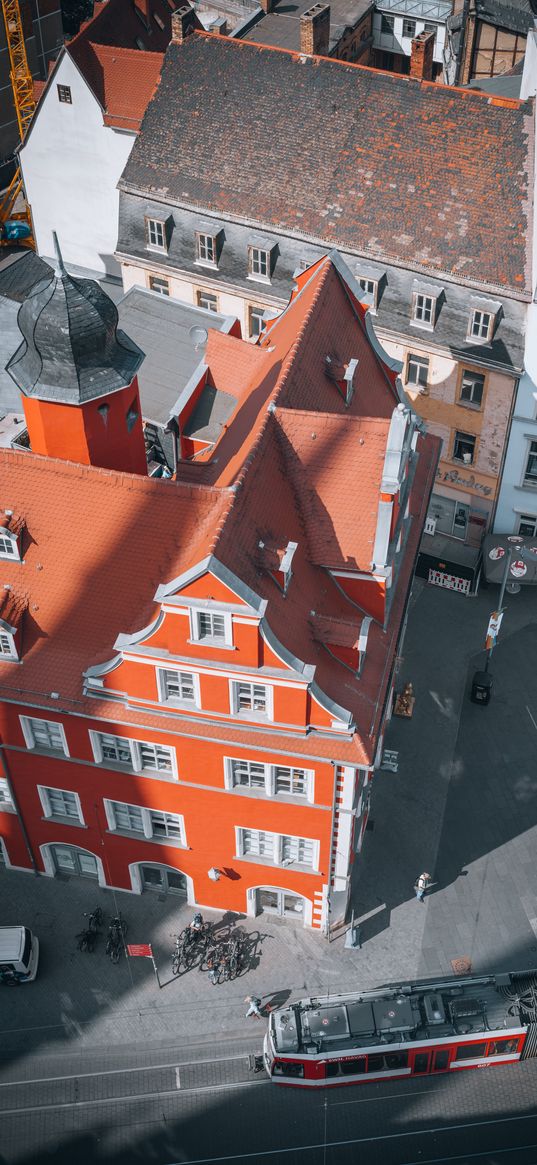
x=353, y=1067
x=396, y=1060
x=375, y=1063
x=287, y=1068
x=503, y=1047
x=470, y=1051
x=332, y=1068
x=441, y=1061
x=421, y=1062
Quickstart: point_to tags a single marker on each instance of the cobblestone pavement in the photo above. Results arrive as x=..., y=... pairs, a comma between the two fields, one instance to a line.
x=463, y=805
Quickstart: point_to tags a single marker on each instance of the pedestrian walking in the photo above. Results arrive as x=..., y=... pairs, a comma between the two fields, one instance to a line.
x=422, y=884
x=254, y=1006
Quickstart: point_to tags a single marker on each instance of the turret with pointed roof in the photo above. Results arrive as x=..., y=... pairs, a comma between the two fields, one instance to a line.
x=77, y=374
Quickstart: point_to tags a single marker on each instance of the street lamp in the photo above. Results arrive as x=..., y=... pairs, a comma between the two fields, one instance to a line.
x=213, y=874
x=482, y=681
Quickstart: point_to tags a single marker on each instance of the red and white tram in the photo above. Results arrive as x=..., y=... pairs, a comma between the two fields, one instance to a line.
x=412, y=1029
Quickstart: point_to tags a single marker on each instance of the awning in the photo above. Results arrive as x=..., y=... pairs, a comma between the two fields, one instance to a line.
x=523, y=568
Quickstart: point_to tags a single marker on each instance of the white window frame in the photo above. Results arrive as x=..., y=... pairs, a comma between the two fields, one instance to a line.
x=202, y=293
x=526, y=519
x=528, y=483
x=44, y=790
x=27, y=731
x=164, y=288
x=135, y=747
x=259, y=257
x=7, y=638
x=173, y=702
x=148, y=832
x=206, y=250
x=213, y=640
x=153, y=244
x=268, y=714
x=423, y=303
x=474, y=321
x=371, y=288
x=409, y=35
x=417, y=359
x=6, y=800
x=8, y=539
x=269, y=779
x=256, y=311
x=277, y=849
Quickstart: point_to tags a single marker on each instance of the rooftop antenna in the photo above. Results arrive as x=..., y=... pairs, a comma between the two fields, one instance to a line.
x=198, y=336
x=59, y=268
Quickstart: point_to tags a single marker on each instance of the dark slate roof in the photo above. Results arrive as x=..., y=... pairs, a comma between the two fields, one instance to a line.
x=379, y=163
x=281, y=27
x=71, y=350
x=211, y=413
x=515, y=15
x=19, y=273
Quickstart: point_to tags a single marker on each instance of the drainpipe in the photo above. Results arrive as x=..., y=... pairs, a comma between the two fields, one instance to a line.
x=462, y=41
x=24, y=831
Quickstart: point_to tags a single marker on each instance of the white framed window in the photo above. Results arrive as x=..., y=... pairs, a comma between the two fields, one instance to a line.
x=417, y=371
x=155, y=229
x=530, y=472
x=527, y=525
x=60, y=803
x=259, y=264
x=6, y=802
x=273, y=780
x=370, y=289
x=159, y=284
x=256, y=321
x=249, y=699
x=206, y=249
x=9, y=547
x=472, y=386
x=207, y=300
x=423, y=310
x=279, y=849
x=7, y=646
x=178, y=687
x=64, y=94
x=149, y=823
x=137, y=755
x=481, y=325
x=409, y=28
x=212, y=626
x=44, y=734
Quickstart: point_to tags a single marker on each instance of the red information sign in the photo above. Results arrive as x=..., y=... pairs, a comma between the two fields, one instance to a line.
x=143, y=950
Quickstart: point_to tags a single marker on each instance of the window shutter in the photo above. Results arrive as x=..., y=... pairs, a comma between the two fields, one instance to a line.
x=110, y=815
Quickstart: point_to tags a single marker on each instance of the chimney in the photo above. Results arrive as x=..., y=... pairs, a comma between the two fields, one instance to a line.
x=421, y=56
x=267, y=5
x=184, y=21
x=315, y=30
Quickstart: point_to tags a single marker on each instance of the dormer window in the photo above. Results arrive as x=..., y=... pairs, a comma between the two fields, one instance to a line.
x=261, y=260
x=206, y=249
x=212, y=627
x=484, y=316
x=8, y=545
x=156, y=234
x=7, y=645
x=11, y=529
x=426, y=299
x=370, y=289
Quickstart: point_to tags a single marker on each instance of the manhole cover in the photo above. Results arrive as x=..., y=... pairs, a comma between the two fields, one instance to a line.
x=461, y=966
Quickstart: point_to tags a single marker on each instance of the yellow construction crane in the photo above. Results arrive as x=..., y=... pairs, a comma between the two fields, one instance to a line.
x=16, y=226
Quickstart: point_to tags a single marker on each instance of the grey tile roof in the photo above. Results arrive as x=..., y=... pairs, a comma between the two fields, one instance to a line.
x=515, y=15
x=162, y=326
x=281, y=27
x=71, y=349
x=211, y=413
x=379, y=163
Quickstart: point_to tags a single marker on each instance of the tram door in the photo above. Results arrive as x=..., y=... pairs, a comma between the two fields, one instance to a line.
x=441, y=1060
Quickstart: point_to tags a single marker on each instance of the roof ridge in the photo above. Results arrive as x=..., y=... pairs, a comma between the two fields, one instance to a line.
x=395, y=77
x=124, y=50
x=121, y=479
x=311, y=414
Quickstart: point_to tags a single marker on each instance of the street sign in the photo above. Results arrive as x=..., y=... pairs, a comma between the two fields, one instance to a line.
x=493, y=628
x=140, y=950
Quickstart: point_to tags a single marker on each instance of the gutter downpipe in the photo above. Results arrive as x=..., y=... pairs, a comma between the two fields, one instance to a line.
x=24, y=831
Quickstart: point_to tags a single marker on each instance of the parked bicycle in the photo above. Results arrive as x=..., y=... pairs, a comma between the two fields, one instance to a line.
x=86, y=940
x=191, y=945
x=95, y=919
x=115, y=943
x=227, y=958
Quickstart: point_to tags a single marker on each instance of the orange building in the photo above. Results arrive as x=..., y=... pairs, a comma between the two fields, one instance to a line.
x=195, y=674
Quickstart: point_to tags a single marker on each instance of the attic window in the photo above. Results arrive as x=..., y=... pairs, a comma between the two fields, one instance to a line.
x=64, y=94
x=155, y=233
x=206, y=252
x=261, y=260
x=370, y=289
x=212, y=627
x=484, y=316
x=7, y=646
x=9, y=538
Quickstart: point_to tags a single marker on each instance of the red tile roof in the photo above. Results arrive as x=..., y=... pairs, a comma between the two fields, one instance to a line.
x=122, y=76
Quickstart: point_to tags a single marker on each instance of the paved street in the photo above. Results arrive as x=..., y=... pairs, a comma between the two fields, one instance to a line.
x=137, y=1073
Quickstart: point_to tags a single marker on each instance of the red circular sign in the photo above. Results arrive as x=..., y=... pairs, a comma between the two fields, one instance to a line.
x=518, y=569
x=496, y=552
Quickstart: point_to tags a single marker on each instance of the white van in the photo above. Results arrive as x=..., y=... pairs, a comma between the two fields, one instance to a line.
x=19, y=954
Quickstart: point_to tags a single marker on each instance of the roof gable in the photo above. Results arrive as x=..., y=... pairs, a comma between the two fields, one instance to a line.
x=369, y=186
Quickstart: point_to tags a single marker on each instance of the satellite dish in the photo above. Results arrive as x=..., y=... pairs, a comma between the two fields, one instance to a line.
x=198, y=336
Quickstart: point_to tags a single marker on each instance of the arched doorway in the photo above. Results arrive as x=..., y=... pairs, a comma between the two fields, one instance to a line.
x=281, y=903
x=162, y=879
x=72, y=861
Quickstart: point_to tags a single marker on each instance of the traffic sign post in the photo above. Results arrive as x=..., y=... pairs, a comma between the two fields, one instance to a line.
x=143, y=951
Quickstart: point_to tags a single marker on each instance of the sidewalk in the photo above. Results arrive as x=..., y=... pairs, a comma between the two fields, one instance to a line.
x=463, y=805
